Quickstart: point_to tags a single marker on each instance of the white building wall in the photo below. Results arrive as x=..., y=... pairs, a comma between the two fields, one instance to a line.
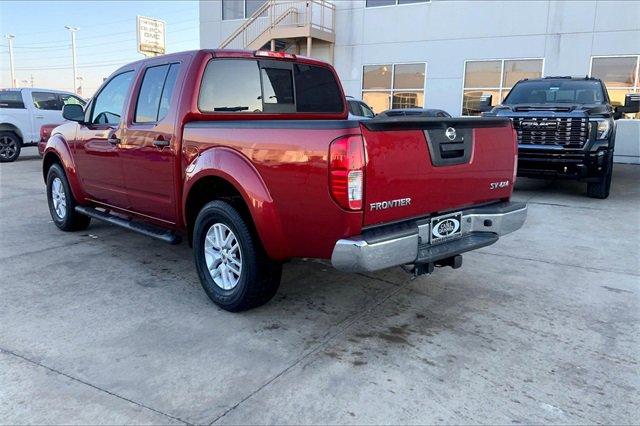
x=566, y=34
x=446, y=33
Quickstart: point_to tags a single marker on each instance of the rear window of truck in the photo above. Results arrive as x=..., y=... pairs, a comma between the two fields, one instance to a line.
x=240, y=85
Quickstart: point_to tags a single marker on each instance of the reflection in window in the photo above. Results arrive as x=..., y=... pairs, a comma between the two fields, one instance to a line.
x=620, y=74
x=393, y=86
x=150, y=92
x=71, y=100
x=109, y=103
x=277, y=86
x=231, y=85
x=494, y=78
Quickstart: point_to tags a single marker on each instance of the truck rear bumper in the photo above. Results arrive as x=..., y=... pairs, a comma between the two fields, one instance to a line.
x=408, y=243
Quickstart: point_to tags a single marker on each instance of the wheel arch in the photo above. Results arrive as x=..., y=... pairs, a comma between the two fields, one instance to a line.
x=58, y=152
x=239, y=182
x=10, y=127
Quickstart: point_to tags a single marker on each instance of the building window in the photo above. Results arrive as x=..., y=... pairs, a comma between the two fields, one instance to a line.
x=393, y=86
x=621, y=76
x=495, y=78
x=378, y=3
x=240, y=9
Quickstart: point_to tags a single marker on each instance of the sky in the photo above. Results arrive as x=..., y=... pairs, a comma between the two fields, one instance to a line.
x=105, y=41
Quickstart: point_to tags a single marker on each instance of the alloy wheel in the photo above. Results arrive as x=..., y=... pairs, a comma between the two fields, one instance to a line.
x=223, y=256
x=8, y=147
x=59, y=198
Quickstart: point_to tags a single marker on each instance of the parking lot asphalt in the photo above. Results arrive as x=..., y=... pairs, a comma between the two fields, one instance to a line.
x=106, y=326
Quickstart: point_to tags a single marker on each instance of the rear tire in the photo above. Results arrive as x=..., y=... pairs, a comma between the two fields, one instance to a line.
x=10, y=146
x=602, y=188
x=62, y=205
x=233, y=268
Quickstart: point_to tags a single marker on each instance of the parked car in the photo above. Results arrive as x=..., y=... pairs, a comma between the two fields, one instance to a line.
x=415, y=112
x=251, y=158
x=23, y=112
x=565, y=128
x=359, y=109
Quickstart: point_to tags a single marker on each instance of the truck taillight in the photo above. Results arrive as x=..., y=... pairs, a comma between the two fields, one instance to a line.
x=346, y=171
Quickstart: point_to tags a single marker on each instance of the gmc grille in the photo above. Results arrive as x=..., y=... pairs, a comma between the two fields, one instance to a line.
x=565, y=132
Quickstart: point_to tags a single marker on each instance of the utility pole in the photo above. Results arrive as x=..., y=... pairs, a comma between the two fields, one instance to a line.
x=73, y=55
x=10, y=38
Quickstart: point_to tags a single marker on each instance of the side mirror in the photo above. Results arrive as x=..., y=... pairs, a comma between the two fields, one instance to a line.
x=73, y=112
x=485, y=103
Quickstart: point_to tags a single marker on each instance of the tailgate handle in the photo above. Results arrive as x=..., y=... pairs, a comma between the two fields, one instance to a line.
x=449, y=146
x=452, y=150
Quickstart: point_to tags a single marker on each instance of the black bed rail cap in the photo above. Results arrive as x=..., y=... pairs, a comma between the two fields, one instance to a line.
x=421, y=123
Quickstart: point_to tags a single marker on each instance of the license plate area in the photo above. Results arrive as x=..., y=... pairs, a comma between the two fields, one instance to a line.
x=446, y=227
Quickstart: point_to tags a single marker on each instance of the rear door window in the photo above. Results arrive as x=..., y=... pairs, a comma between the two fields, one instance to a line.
x=11, y=99
x=48, y=101
x=167, y=91
x=155, y=93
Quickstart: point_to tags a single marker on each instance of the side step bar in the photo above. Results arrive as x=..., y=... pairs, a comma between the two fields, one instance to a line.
x=141, y=228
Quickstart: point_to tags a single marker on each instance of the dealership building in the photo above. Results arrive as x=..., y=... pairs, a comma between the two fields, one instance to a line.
x=437, y=53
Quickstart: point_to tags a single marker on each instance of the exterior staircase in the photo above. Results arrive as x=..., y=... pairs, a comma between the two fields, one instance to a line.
x=288, y=25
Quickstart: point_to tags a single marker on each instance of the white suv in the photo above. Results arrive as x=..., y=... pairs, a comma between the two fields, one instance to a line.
x=24, y=111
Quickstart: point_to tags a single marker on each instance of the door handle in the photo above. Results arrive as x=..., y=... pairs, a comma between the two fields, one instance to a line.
x=113, y=140
x=161, y=142
x=39, y=116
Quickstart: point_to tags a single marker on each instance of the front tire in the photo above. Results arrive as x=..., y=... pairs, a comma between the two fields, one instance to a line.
x=233, y=268
x=10, y=146
x=62, y=205
x=602, y=188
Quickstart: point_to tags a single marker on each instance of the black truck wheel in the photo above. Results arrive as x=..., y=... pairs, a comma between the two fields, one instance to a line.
x=602, y=188
x=62, y=205
x=10, y=145
x=233, y=268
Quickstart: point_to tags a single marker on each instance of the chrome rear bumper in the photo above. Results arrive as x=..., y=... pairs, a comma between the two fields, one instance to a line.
x=409, y=243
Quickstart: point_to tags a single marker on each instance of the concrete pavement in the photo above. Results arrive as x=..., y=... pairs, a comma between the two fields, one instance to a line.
x=106, y=326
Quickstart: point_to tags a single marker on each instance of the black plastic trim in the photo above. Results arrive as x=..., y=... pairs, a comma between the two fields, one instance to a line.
x=275, y=124
x=422, y=123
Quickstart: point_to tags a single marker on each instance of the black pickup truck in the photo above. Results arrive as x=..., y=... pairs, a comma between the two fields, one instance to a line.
x=565, y=129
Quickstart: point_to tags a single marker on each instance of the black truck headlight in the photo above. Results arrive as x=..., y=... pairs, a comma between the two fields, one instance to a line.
x=603, y=127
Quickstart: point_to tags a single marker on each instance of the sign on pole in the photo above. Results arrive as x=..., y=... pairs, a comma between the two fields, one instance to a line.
x=151, y=36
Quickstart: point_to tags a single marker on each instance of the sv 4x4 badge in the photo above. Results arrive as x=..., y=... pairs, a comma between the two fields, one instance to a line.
x=498, y=185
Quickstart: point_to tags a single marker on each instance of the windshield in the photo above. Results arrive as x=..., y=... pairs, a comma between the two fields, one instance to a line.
x=556, y=91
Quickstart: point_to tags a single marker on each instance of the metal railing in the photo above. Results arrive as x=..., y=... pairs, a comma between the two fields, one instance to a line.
x=318, y=14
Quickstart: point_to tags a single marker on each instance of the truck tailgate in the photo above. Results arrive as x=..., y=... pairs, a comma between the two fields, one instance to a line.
x=422, y=166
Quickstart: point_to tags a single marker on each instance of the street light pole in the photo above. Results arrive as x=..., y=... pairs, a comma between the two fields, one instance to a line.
x=10, y=38
x=73, y=55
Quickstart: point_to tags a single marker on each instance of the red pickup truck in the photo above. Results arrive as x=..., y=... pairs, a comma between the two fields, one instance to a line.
x=251, y=157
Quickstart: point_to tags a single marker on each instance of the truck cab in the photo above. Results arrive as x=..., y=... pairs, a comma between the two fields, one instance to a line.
x=565, y=128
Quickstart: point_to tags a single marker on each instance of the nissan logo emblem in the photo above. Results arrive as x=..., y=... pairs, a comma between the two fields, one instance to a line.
x=450, y=133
